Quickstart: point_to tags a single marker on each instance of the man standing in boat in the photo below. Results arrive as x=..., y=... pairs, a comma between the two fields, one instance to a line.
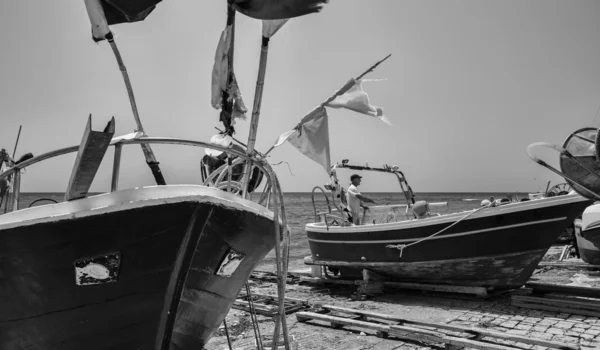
x=354, y=198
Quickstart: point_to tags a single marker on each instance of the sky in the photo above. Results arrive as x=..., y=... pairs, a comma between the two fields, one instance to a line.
x=470, y=84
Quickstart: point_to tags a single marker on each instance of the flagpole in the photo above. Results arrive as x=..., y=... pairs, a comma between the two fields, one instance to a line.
x=148, y=153
x=101, y=31
x=341, y=91
x=260, y=82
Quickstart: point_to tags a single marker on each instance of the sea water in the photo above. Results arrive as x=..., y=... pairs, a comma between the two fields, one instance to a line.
x=299, y=212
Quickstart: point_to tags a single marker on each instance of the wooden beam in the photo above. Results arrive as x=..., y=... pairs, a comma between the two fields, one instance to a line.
x=479, y=291
x=314, y=280
x=552, y=305
x=402, y=332
x=575, y=302
x=307, y=316
x=481, y=332
x=571, y=290
x=426, y=335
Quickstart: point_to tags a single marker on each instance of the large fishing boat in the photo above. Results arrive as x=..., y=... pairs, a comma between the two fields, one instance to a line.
x=496, y=246
x=154, y=267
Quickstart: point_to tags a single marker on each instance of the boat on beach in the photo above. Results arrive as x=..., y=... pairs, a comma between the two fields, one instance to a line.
x=495, y=246
x=152, y=267
x=586, y=249
x=580, y=168
x=129, y=268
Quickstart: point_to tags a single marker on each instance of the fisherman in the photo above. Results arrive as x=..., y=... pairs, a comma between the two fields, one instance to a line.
x=354, y=198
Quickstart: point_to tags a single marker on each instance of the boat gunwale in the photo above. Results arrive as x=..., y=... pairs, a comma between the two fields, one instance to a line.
x=446, y=236
x=129, y=199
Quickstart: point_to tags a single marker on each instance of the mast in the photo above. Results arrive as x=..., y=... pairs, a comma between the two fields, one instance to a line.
x=258, y=93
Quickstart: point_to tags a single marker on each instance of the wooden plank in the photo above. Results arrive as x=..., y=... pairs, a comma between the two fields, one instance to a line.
x=313, y=280
x=562, y=302
x=306, y=316
x=275, y=298
x=479, y=291
x=420, y=334
x=555, y=309
x=268, y=305
x=455, y=328
x=571, y=290
x=417, y=334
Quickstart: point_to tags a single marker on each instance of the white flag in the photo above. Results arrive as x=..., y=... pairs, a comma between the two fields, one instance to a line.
x=271, y=27
x=357, y=100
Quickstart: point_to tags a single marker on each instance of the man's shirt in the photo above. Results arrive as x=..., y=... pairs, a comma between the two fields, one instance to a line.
x=353, y=201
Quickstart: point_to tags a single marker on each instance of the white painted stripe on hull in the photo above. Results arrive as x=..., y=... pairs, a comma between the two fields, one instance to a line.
x=440, y=237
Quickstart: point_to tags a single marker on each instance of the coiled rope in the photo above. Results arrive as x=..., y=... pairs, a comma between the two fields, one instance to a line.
x=401, y=247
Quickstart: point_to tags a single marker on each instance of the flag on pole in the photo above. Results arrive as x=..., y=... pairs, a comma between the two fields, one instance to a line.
x=357, y=100
x=239, y=108
x=284, y=137
x=311, y=137
x=220, y=68
x=220, y=73
x=277, y=9
x=270, y=27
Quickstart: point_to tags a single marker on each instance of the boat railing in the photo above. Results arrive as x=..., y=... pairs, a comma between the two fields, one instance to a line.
x=335, y=187
x=319, y=215
x=219, y=178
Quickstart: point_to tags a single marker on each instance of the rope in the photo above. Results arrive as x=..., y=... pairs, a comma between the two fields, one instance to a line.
x=286, y=163
x=227, y=334
x=401, y=247
x=257, y=336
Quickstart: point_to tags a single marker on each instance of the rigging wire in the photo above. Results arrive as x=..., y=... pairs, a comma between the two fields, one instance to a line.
x=255, y=327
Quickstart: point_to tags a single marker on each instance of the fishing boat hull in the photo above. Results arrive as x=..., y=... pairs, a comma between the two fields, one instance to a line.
x=149, y=268
x=588, y=239
x=497, y=247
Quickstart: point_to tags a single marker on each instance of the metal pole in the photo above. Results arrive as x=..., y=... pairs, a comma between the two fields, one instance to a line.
x=16, y=189
x=17, y=142
x=260, y=82
x=116, y=168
